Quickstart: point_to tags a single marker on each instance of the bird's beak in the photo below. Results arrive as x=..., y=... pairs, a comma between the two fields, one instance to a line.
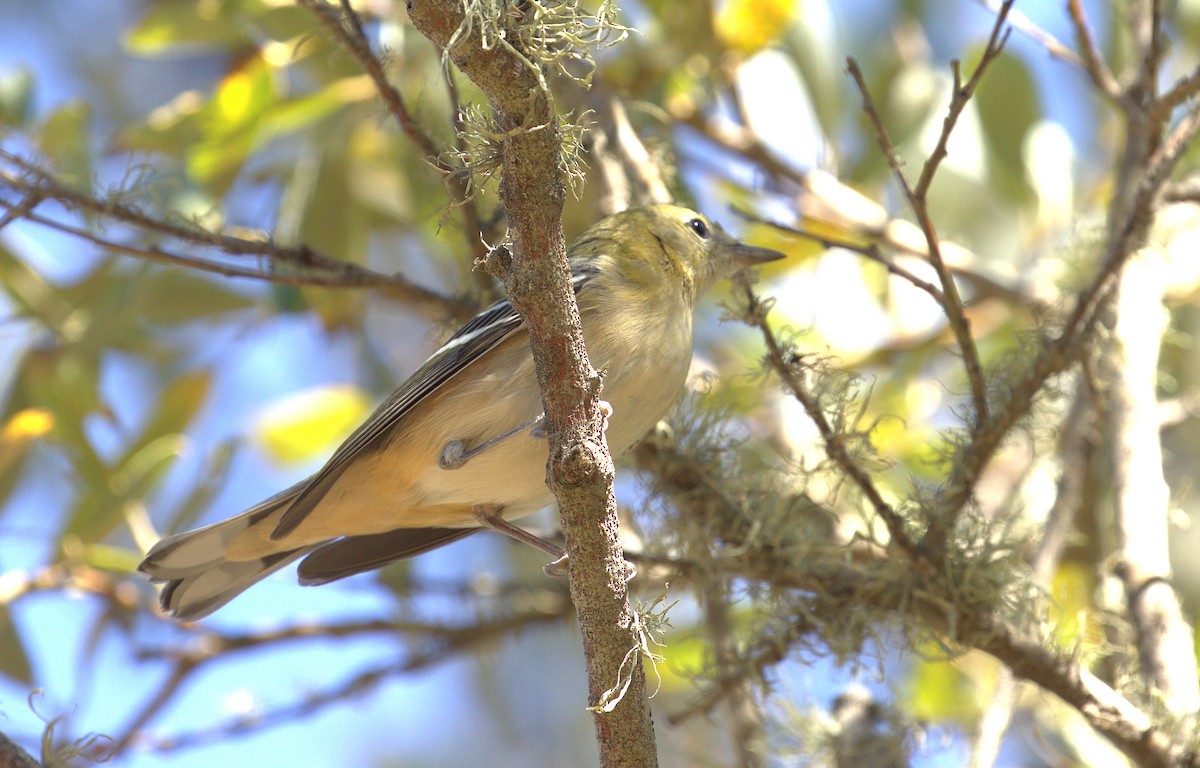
x=751, y=255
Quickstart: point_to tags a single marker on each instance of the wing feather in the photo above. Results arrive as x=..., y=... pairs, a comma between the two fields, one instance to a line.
x=480, y=334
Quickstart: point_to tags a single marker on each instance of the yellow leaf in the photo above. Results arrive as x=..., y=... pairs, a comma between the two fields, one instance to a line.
x=308, y=424
x=25, y=425
x=750, y=25
x=21, y=429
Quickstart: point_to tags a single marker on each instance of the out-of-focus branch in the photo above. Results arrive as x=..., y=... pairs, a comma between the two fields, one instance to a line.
x=1142, y=500
x=347, y=29
x=627, y=171
x=1093, y=59
x=1077, y=450
x=289, y=265
x=744, y=715
x=12, y=756
x=444, y=643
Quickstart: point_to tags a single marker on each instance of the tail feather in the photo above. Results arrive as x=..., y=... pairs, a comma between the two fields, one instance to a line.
x=356, y=554
x=204, y=569
x=195, y=596
x=199, y=579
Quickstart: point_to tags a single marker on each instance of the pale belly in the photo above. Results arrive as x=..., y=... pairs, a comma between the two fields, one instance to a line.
x=512, y=473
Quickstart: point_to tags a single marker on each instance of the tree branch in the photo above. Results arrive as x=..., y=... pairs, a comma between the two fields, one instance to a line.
x=537, y=284
x=295, y=265
x=1142, y=500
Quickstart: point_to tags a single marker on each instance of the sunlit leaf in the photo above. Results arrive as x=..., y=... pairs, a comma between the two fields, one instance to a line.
x=307, y=424
x=749, y=26
x=17, y=436
x=1071, y=602
x=290, y=115
x=686, y=657
x=230, y=122
x=939, y=691
x=172, y=28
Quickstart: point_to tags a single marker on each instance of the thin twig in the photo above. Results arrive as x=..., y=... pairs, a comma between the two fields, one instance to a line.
x=1026, y=26
x=869, y=250
x=308, y=266
x=347, y=29
x=451, y=644
x=784, y=364
x=345, y=276
x=1093, y=60
x=952, y=305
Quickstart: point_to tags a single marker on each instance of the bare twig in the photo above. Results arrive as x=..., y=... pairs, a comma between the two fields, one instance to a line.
x=952, y=305
x=1026, y=26
x=870, y=250
x=1184, y=89
x=449, y=643
x=785, y=364
x=295, y=265
x=348, y=30
x=1093, y=60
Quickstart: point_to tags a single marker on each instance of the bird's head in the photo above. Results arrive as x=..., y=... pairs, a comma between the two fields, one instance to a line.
x=664, y=248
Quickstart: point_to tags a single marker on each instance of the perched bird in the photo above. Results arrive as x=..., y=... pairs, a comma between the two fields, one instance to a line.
x=458, y=446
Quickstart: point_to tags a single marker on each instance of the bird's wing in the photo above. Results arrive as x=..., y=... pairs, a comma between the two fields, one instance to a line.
x=481, y=334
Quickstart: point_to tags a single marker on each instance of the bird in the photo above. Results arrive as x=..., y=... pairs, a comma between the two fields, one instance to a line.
x=458, y=447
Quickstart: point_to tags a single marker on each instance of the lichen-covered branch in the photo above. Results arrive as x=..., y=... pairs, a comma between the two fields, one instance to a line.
x=537, y=283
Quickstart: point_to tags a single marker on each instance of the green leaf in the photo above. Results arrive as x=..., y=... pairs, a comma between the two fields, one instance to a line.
x=176, y=296
x=145, y=462
x=16, y=96
x=175, y=27
x=938, y=691
x=230, y=124
x=1007, y=100
x=109, y=558
x=213, y=476
x=64, y=139
x=14, y=662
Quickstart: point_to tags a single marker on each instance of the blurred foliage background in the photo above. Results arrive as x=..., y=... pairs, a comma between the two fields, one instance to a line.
x=160, y=372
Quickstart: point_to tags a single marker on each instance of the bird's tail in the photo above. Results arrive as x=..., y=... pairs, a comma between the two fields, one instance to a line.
x=199, y=578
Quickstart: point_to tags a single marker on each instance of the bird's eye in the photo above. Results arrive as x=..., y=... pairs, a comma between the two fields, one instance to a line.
x=699, y=227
